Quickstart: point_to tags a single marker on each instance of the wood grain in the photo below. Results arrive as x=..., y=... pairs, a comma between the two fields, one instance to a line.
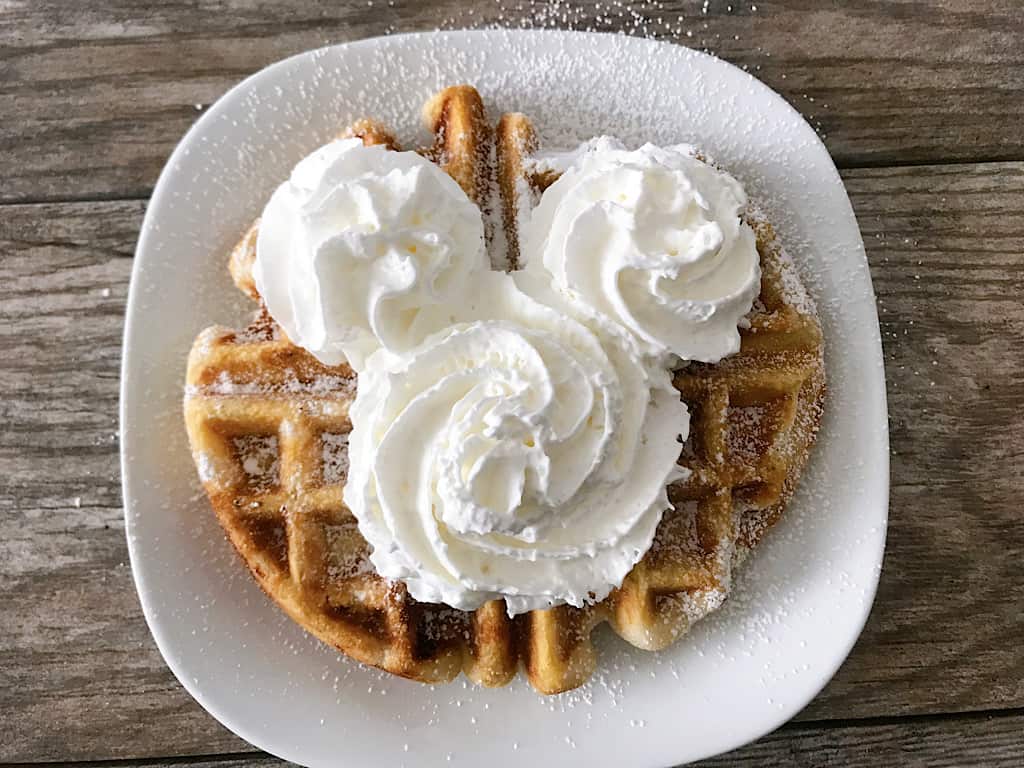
x=993, y=742
x=92, y=98
x=947, y=631
x=81, y=679
x=990, y=741
x=102, y=91
x=79, y=673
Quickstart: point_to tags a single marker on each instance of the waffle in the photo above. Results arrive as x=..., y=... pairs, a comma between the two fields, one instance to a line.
x=268, y=425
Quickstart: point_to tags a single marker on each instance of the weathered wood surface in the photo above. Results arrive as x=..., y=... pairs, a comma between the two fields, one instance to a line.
x=993, y=742
x=946, y=254
x=79, y=674
x=93, y=96
x=80, y=678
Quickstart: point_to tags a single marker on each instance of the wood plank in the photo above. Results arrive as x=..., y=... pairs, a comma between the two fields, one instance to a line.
x=103, y=91
x=994, y=742
x=79, y=674
x=945, y=633
x=909, y=743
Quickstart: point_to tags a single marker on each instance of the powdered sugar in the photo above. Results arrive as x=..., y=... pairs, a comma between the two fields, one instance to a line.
x=334, y=457
x=494, y=227
x=259, y=457
x=677, y=535
x=793, y=291
x=204, y=465
x=257, y=332
x=348, y=553
x=289, y=384
x=746, y=430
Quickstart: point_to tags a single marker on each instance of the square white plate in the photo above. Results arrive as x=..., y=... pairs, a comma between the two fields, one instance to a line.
x=801, y=600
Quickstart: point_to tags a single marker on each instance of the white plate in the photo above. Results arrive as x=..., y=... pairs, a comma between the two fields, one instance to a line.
x=801, y=600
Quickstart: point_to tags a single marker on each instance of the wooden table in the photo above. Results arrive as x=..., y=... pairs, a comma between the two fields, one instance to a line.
x=922, y=107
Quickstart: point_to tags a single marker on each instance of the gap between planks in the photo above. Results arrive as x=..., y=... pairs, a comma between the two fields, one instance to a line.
x=795, y=728
x=866, y=165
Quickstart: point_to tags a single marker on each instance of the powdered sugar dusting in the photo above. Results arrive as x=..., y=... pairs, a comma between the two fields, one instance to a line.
x=677, y=535
x=746, y=427
x=260, y=459
x=526, y=200
x=204, y=464
x=543, y=88
x=348, y=553
x=793, y=291
x=290, y=384
x=334, y=457
x=257, y=332
x=497, y=240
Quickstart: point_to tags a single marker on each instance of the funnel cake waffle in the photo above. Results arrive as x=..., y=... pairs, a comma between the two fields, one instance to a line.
x=269, y=424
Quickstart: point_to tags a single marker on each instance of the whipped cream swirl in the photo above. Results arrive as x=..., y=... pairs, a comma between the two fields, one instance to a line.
x=513, y=436
x=653, y=239
x=518, y=454
x=357, y=242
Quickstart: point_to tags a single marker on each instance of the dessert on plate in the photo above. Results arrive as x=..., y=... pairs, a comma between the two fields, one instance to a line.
x=496, y=396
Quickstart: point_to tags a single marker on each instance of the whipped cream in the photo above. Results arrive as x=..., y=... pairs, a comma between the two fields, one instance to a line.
x=653, y=239
x=513, y=435
x=520, y=453
x=357, y=242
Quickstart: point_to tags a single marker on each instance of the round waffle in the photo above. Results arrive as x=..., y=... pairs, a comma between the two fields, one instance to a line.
x=268, y=426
